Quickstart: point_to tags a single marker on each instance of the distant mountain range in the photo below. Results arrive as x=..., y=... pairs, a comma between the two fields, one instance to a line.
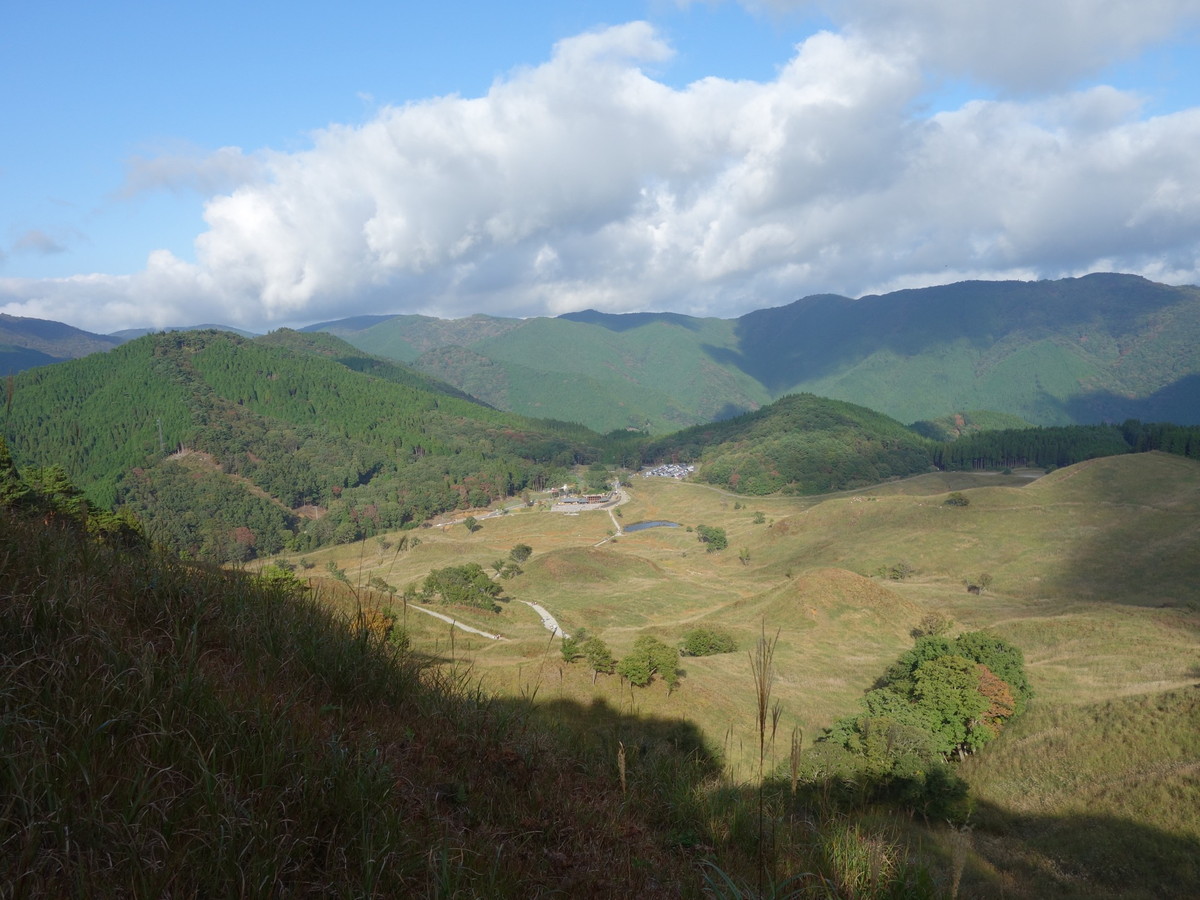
x=1076, y=350
x=25, y=343
x=129, y=334
x=1104, y=347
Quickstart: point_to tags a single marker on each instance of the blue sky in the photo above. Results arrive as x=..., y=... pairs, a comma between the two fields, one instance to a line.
x=273, y=164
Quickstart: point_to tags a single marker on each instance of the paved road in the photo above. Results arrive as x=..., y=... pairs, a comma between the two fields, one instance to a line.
x=456, y=623
x=548, y=620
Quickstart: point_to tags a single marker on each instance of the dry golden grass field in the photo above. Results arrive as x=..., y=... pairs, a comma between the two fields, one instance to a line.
x=1095, y=574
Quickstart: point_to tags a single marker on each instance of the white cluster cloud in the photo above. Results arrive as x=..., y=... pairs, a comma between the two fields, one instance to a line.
x=586, y=182
x=1018, y=45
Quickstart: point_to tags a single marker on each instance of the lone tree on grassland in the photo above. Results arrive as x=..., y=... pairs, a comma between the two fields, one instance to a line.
x=466, y=585
x=572, y=646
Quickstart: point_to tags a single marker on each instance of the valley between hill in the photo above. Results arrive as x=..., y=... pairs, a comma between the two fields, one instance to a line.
x=1093, y=574
x=364, y=479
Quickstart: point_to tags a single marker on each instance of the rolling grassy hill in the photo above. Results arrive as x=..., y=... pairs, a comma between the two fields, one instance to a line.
x=1093, y=571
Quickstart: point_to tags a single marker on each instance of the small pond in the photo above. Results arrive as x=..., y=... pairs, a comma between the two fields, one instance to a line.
x=642, y=526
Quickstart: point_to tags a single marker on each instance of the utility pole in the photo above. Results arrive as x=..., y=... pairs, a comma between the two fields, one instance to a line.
x=162, y=447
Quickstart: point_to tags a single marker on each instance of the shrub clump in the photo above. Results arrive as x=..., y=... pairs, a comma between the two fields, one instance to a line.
x=650, y=657
x=707, y=642
x=714, y=537
x=940, y=701
x=465, y=585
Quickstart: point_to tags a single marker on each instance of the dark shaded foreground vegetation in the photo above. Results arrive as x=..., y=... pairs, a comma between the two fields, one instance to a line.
x=1082, y=856
x=174, y=730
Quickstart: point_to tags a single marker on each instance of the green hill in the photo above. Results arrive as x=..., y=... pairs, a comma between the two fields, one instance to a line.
x=800, y=444
x=404, y=338
x=1077, y=350
x=610, y=372
x=231, y=448
x=1074, y=350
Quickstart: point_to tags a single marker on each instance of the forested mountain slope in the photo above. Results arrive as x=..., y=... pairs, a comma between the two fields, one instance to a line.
x=1053, y=352
x=800, y=444
x=231, y=448
x=1077, y=350
x=642, y=370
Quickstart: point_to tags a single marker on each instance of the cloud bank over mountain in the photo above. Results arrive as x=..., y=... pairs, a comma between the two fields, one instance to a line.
x=586, y=181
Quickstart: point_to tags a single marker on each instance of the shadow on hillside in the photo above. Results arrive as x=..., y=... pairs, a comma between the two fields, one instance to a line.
x=603, y=729
x=1143, y=556
x=1016, y=855
x=818, y=335
x=1086, y=855
x=1178, y=402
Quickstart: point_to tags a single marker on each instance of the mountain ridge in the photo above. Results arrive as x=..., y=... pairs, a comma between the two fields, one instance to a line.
x=1101, y=347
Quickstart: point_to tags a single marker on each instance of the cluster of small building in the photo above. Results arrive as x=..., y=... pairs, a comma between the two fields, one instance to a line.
x=584, y=499
x=566, y=494
x=670, y=470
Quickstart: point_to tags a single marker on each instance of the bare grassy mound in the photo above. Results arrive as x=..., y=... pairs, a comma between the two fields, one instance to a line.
x=829, y=594
x=589, y=565
x=1143, y=479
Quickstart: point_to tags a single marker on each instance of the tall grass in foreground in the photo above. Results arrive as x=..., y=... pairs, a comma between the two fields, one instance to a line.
x=168, y=730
